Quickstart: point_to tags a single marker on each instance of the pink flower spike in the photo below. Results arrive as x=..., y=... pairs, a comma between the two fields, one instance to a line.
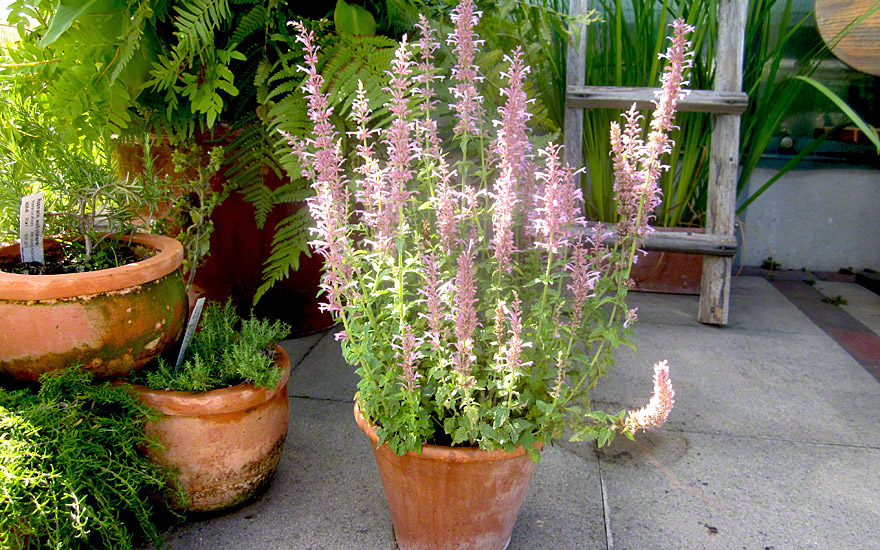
x=637, y=164
x=654, y=414
x=465, y=313
x=399, y=139
x=583, y=281
x=329, y=205
x=468, y=104
x=445, y=206
x=408, y=354
x=503, y=210
x=515, y=345
x=558, y=204
x=432, y=291
x=511, y=148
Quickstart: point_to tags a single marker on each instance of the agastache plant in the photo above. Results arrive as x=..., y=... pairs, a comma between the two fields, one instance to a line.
x=475, y=302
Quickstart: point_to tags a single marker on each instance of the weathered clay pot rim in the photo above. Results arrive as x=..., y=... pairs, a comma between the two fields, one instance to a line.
x=219, y=401
x=169, y=257
x=442, y=453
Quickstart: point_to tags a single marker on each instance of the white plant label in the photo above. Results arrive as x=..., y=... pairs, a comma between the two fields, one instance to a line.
x=190, y=330
x=30, y=228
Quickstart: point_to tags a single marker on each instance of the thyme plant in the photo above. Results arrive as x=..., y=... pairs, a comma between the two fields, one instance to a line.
x=226, y=351
x=71, y=473
x=475, y=304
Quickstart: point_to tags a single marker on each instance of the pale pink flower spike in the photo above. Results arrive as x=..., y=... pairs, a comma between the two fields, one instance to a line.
x=654, y=414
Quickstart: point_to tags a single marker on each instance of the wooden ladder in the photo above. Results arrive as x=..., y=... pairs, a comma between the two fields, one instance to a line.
x=725, y=103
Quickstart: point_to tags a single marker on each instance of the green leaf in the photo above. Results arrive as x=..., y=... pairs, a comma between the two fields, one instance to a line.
x=353, y=19
x=534, y=454
x=489, y=432
x=71, y=10
x=544, y=407
x=461, y=434
x=605, y=437
x=869, y=131
x=587, y=434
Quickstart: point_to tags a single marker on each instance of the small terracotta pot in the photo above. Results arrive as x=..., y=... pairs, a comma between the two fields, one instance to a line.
x=452, y=498
x=110, y=321
x=224, y=443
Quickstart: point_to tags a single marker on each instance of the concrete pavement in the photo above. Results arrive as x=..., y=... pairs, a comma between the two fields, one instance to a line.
x=774, y=443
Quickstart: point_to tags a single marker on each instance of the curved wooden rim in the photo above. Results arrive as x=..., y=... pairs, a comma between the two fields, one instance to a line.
x=169, y=258
x=859, y=46
x=440, y=453
x=219, y=401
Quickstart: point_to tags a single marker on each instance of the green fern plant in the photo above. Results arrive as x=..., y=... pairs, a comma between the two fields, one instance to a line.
x=83, y=62
x=118, y=66
x=181, y=67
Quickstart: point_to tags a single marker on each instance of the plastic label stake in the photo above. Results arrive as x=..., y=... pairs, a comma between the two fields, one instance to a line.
x=190, y=330
x=30, y=228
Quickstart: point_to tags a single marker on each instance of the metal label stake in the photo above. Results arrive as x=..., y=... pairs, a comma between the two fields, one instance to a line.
x=190, y=330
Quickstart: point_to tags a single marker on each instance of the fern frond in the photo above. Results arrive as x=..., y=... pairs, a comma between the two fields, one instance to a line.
x=131, y=39
x=290, y=240
x=251, y=155
x=197, y=20
x=282, y=89
x=165, y=72
x=289, y=115
x=295, y=191
x=252, y=21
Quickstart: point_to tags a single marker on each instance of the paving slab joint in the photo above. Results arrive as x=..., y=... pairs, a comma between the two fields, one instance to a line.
x=606, y=510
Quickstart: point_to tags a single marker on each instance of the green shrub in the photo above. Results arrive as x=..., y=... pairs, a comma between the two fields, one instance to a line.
x=225, y=352
x=71, y=475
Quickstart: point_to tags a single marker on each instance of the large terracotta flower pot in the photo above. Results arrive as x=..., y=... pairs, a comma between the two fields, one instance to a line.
x=239, y=249
x=452, y=498
x=224, y=443
x=110, y=321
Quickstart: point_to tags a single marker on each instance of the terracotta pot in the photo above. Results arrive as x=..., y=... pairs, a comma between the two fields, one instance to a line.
x=669, y=272
x=224, y=443
x=110, y=321
x=239, y=249
x=452, y=497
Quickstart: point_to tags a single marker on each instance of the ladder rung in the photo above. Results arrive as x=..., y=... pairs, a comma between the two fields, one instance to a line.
x=615, y=97
x=688, y=242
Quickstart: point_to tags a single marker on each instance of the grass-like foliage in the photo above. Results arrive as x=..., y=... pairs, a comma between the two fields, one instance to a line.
x=225, y=352
x=71, y=475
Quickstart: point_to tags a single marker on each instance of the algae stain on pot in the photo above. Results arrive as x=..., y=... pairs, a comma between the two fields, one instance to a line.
x=110, y=333
x=255, y=477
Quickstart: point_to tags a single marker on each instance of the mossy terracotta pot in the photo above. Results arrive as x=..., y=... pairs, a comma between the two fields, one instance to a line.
x=110, y=321
x=452, y=498
x=225, y=444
